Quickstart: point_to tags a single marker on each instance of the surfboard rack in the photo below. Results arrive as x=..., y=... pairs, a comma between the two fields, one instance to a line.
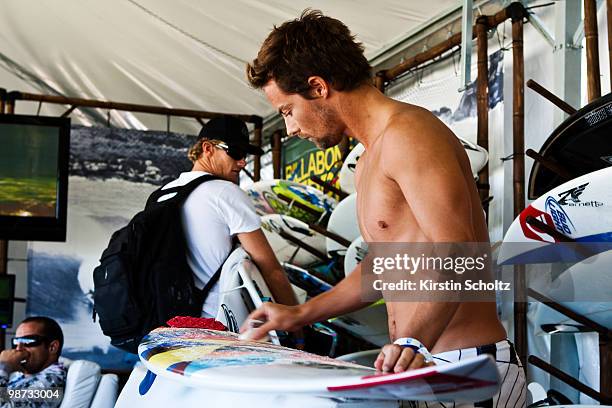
x=605, y=347
x=549, y=164
x=550, y=97
x=301, y=206
x=328, y=188
x=285, y=235
x=316, y=227
x=569, y=380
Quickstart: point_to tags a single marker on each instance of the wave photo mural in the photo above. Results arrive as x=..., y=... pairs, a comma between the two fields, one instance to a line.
x=112, y=172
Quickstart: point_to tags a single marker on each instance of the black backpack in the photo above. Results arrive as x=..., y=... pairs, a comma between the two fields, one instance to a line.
x=143, y=278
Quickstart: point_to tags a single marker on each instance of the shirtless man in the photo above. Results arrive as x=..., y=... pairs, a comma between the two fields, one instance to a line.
x=414, y=184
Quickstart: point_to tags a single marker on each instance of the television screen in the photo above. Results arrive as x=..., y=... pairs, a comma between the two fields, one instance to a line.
x=33, y=177
x=7, y=299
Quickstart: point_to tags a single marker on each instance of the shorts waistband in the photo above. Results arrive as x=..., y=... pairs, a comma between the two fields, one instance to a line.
x=502, y=350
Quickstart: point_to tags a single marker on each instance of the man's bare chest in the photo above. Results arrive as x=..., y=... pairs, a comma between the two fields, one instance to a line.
x=381, y=205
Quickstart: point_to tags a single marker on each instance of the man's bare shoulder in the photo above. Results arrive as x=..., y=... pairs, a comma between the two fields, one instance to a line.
x=413, y=129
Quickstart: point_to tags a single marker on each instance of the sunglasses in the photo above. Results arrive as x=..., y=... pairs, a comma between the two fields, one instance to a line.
x=32, y=340
x=234, y=152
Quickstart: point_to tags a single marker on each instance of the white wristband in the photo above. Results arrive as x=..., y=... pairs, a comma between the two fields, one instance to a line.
x=415, y=346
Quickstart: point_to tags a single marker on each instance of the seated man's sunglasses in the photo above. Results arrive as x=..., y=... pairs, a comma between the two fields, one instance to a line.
x=234, y=152
x=32, y=340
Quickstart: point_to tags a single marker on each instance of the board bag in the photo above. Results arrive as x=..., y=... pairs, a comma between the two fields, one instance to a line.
x=143, y=278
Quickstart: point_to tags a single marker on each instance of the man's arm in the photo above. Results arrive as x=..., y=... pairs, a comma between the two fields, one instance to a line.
x=418, y=152
x=52, y=377
x=10, y=361
x=343, y=298
x=257, y=246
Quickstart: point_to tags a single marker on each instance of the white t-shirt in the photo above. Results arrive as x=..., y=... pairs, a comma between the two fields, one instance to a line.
x=212, y=214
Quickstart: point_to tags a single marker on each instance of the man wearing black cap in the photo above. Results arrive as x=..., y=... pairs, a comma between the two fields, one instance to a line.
x=218, y=210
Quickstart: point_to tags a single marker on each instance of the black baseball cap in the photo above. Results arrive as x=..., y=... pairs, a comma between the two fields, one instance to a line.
x=232, y=131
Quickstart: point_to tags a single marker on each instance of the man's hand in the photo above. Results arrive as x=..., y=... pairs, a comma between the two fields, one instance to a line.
x=396, y=359
x=274, y=317
x=12, y=359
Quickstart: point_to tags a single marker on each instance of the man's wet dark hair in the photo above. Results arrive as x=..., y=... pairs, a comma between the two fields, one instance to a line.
x=312, y=45
x=50, y=329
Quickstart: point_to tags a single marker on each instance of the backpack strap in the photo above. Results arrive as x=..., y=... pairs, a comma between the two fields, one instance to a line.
x=211, y=282
x=182, y=192
x=215, y=278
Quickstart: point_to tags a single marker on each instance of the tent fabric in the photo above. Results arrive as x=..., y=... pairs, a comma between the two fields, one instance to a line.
x=179, y=54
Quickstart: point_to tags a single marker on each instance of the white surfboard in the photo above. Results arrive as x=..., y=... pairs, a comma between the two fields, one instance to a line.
x=218, y=360
x=354, y=254
x=265, y=197
x=581, y=209
x=343, y=222
x=589, y=284
x=347, y=172
x=477, y=155
x=242, y=289
x=166, y=392
x=369, y=323
x=285, y=251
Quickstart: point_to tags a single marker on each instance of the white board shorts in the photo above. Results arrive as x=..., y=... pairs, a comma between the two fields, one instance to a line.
x=513, y=389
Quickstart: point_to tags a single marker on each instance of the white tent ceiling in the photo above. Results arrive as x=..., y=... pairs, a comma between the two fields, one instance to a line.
x=179, y=54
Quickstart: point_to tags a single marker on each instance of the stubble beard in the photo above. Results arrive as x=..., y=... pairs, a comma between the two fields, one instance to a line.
x=331, y=136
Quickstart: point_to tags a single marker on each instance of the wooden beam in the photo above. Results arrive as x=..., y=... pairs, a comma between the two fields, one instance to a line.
x=558, y=102
x=482, y=101
x=592, y=50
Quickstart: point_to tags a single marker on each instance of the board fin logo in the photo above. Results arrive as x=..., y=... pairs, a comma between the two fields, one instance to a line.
x=572, y=194
x=571, y=198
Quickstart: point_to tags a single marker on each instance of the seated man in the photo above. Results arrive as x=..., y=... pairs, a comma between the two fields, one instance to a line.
x=33, y=364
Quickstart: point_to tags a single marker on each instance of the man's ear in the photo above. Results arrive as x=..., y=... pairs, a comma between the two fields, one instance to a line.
x=319, y=88
x=54, y=346
x=207, y=146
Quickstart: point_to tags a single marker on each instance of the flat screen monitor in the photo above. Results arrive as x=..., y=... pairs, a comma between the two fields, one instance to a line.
x=34, y=154
x=7, y=300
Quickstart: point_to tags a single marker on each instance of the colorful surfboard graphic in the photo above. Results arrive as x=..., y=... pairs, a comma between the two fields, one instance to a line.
x=580, y=209
x=266, y=196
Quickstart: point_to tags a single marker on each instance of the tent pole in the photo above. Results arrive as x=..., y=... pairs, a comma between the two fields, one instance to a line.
x=609, y=12
x=257, y=135
x=592, y=50
x=518, y=132
x=276, y=153
x=482, y=101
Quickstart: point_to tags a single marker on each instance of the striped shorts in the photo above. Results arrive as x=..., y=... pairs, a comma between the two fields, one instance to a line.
x=513, y=387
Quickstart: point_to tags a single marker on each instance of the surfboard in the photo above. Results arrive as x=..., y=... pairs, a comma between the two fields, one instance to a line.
x=242, y=289
x=477, y=155
x=354, y=254
x=164, y=392
x=218, y=360
x=581, y=144
x=305, y=280
x=347, y=171
x=343, y=222
x=369, y=323
x=589, y=285
x=275, y=224
x=581, y=209
x=265, y=197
